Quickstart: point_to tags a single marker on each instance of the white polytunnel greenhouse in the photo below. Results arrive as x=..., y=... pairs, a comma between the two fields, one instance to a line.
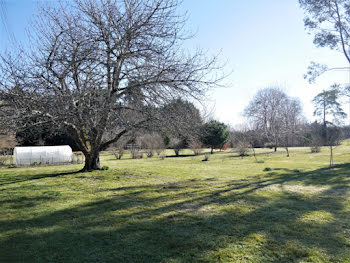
x=30, y=155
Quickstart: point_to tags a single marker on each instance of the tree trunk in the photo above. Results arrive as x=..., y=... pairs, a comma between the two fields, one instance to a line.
x=256, y=160
x=92, y=162
x=324, y=132
x=275, y=148
x=287, y=151
x=212, y=150
x=331, y=157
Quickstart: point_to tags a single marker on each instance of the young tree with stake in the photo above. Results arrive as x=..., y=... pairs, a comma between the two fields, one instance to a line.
x=327, y=104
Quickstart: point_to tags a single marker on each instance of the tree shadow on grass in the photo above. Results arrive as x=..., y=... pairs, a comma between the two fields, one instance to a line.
x=25, y=201
x=184, y=222
x=249, y=154
x=12, y=178
x=182, y=155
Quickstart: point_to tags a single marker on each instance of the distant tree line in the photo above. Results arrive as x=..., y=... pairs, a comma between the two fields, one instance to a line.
x=274, y=119
x=183, y=130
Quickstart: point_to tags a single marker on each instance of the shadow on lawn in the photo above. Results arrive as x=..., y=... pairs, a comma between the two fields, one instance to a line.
x=183, y=155
x=187, y=222
x=5, y=179
x=250, y=154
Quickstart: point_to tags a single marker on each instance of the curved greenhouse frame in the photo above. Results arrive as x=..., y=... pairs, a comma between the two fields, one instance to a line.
x=42, y=155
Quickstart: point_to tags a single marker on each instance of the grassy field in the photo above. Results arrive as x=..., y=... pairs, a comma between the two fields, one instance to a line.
x=180, y=209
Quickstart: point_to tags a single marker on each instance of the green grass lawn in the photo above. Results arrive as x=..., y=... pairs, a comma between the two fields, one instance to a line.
x=180, y=210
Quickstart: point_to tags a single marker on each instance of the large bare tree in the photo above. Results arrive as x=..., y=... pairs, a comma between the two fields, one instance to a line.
x=264, y=111
x=275, y=114
x=291, y=119
x=100, y=69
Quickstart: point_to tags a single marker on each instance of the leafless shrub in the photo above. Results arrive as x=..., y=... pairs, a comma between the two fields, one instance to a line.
x=6, y=156
x=197, y=147
x=118, y=153
x=177, y=144
x=78, y=157
x=5, y=160
x=136, y=154
x=315, y=149
x=177, y=151
x=315, y=144
x=242, y=149
x=118, y=148
x=149, y=153
x=162, y=156
x=152, y=143
x=206, y=158
x=159, y=151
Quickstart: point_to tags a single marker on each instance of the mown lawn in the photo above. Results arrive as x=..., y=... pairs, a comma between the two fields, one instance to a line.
x=180, y=210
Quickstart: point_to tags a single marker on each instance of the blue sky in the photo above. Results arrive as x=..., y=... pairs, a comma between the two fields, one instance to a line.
x=263, y=42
